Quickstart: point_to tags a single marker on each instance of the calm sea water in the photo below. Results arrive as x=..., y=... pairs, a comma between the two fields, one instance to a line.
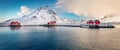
x=59, y=38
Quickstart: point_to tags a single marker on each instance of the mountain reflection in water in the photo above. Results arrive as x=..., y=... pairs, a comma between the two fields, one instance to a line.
x=58, y=38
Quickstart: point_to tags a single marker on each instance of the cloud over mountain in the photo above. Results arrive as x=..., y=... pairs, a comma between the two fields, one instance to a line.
x=96, y=8
x=25, y=11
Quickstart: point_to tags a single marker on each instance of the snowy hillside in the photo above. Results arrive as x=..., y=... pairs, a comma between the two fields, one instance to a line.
x=39, y=17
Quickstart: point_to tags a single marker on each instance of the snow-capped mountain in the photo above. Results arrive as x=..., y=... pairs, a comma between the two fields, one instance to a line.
x=40, y=16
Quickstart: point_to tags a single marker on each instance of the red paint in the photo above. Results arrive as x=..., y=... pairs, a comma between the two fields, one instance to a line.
x=97, y=22
x=52, y=23
x=90, y=22
x=48, y=22
x=15, y=23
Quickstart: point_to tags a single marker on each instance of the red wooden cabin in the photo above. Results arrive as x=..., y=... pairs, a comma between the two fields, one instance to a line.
x=96, y=22
x=90, y=22
x=15, y=23
x=52, y=23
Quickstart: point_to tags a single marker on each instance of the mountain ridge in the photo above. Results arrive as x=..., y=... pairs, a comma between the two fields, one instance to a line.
x=41, y=16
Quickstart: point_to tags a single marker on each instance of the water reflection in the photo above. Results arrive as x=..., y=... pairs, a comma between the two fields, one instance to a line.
x=50, y=26
x=15, y=28
x=59, y=38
